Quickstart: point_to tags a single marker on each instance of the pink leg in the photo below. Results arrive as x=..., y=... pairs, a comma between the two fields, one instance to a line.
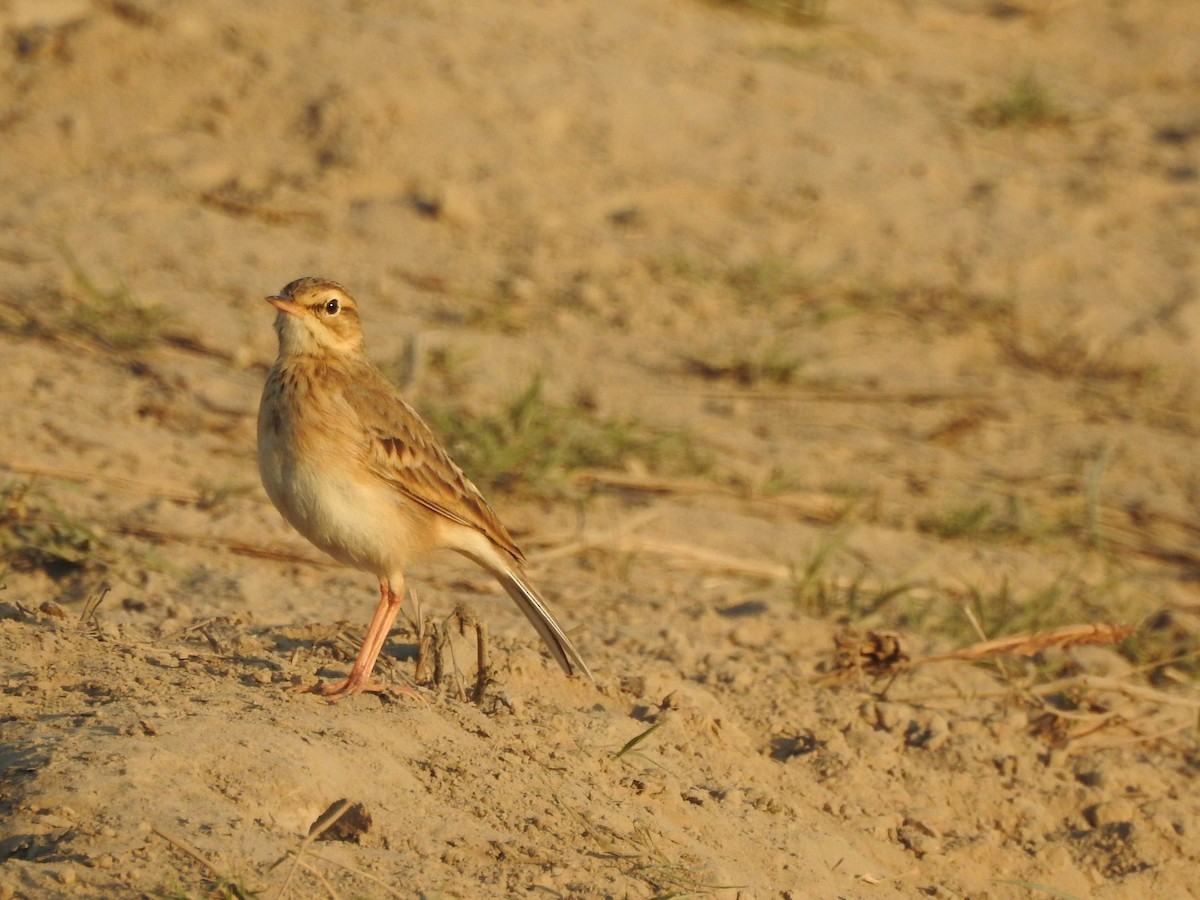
x=359, y=680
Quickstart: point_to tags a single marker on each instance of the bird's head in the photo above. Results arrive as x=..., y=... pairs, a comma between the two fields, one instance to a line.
x=316, y=317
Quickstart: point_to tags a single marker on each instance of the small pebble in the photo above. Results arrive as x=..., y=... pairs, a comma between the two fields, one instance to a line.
x=50, y=608
x=733, y=798
x=937, y=732
x=696, y=796
x=891, y=716
x=1111, y=812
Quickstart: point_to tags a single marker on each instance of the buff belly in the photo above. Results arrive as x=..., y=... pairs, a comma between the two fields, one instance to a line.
x=359, y=522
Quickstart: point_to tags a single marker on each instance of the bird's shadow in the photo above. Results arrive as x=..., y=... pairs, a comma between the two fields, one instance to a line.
x=287, y=644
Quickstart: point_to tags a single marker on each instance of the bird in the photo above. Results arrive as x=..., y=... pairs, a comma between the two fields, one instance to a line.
x=351, y=466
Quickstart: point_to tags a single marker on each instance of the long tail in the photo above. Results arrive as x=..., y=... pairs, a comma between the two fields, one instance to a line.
x=538, y=614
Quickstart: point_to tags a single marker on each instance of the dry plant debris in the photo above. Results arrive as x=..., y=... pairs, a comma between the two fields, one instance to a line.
x=1030, y=644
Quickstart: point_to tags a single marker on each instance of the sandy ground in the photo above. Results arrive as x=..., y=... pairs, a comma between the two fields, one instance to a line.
x=900, y=306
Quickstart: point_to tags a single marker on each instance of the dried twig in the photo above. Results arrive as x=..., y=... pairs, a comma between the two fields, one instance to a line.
x=427, y=652
x=483, y=668
x=435, y=646
x=802, y=395
x=358, y=872
x=233, y=545
x=87, y=614
x=1138, y=737
x=316, y=873
x=595, y=538
x=180, y=845
x=1036, y=642
x=811, y=506
x=707, y=559
x=1103, y=683
x=173, y=492
x=241, y=208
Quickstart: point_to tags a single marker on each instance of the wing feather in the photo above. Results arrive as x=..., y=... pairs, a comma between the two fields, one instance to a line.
x=403, y=451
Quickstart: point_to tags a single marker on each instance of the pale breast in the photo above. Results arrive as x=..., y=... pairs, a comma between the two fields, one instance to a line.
x=358, y=523
x=308, y=460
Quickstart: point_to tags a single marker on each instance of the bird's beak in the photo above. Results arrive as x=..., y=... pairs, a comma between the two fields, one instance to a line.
x=287, y=305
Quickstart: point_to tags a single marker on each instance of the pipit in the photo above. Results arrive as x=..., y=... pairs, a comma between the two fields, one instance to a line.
x=355, y=470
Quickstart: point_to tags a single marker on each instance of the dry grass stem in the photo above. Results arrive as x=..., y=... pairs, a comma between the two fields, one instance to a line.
x=88, y=612
x=320, y=877
x=812, y=506
x=1115, y=685
x=323, y=824
x=233, y=545
x=231, y=889
x=1147, y=738
x=688, y=555
x=801, y=395
x=595, y=538
x=1030, y=644
x=691, y=555
x=357, y=872
x=240, y=208
x=162, y=490
x=183, y=847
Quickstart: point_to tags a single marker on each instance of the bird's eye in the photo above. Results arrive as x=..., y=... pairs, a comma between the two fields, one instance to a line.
x=332, y=306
